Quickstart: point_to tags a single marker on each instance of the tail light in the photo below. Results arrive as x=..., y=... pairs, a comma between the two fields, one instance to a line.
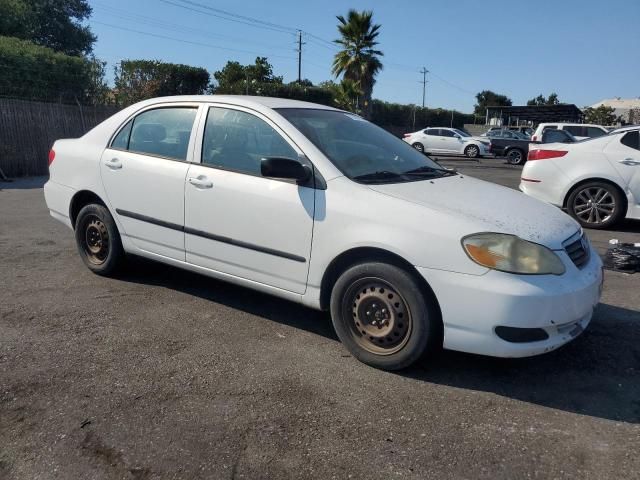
x=406, y=135
x=52, y=156
x=545, y=154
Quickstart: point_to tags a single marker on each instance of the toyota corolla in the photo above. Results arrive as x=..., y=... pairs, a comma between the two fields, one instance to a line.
x=319, y=206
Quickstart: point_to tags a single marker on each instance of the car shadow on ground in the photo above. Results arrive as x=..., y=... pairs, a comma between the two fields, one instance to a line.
x=597, y=375
x=26, y=183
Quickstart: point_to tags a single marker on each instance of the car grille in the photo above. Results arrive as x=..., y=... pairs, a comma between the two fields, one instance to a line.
x=578, y=251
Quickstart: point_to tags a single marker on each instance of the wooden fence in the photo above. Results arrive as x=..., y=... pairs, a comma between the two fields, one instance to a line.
x=28, y=129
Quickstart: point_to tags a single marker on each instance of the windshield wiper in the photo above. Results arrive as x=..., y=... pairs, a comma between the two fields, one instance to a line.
x=426, y=171
x=379, y=176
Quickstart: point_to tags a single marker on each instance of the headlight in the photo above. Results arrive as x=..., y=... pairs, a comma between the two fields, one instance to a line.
x=509, y=253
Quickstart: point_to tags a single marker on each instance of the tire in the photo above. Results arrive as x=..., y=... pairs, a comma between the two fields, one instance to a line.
x=472, y=151
x=418, y=146
x=515, y=156
x=597, y=205
x=383, y=317
x=98, y=240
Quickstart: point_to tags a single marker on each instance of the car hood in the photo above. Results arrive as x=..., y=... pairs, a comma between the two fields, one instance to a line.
x=488, y=207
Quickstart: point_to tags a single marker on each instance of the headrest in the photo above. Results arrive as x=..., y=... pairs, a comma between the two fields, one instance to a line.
x=149, y=132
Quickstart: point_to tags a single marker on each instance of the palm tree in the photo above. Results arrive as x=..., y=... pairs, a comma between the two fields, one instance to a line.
x=358, y=60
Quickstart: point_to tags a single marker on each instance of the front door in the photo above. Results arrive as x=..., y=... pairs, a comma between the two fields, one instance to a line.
x=143, y=172
x=237, y=221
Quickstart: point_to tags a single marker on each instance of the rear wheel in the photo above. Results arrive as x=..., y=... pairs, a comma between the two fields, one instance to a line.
x=472, y=151
x=383, y=317
x=418, y=146
x=98, y=240
x=515, y=156
x=596, y=205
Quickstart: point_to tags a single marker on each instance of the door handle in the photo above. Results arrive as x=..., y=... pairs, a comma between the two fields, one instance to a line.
x=113, y=164
x=629, y=162
x=200, y=182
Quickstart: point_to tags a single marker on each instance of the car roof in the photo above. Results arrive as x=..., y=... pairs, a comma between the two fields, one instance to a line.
x=625, y=129
x=240, y=100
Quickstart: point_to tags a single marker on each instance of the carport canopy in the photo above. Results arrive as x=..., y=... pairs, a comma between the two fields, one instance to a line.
x=536, y=114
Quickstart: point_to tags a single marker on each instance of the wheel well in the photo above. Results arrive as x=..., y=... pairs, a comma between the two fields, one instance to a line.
x=368, y=254
x=81, y=199
x=602, y=180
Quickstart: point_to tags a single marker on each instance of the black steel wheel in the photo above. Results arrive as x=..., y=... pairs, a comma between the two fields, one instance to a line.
x=98, y=239
x=596, y=205
x=383, y=316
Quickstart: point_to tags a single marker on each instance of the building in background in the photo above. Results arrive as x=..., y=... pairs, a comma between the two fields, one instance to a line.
x=627, y=108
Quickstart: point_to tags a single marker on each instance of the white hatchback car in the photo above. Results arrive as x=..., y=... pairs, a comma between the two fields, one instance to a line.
x=597, y=180
x=319, y=206
x=448, y=141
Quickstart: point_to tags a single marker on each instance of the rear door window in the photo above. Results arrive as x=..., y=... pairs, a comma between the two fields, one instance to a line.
x=576, y=130
x=446, y=133
x=594, y=132
x=162, y=132
x=631, y=139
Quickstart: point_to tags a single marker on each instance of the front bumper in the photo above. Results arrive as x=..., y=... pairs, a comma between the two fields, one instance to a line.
x=474, y=305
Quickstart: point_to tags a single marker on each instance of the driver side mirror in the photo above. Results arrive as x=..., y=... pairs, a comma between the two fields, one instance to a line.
x=284, y=168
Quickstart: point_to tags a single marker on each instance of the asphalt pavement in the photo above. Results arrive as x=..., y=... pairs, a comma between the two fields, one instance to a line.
x=161, y=373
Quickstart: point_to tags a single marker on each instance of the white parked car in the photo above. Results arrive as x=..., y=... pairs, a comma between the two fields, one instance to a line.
x=448, y=141
x=580, y=131
x=597, y=181
x=321, y=207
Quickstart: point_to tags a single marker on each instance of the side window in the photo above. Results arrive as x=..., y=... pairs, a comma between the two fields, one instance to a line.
x=163, y=132
x=446, y=133
x=594, y=132
x=431, y=131
x=551, y=127
x=238, y=141
x=553, y=136
x=631, y=139
x=575, y=130
x=121, y=142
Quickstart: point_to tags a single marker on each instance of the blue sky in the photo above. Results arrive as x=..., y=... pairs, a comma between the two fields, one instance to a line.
x=583, y=50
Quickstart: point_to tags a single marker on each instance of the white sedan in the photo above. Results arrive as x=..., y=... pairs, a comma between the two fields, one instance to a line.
x=596, y=180
x=449, y=141
x=321, y=207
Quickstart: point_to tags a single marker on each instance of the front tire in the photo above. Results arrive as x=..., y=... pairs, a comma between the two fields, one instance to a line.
x=383, y=317
x=472, y=151
x=98, y=240
x=597, y=205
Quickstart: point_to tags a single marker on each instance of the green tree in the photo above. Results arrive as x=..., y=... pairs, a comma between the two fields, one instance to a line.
x=542, y=100
x=487, y=98
x=137, y=80
x=56, y=24
x=602, y=115
x=237, y=79
x=358, y=61
x=345, y=94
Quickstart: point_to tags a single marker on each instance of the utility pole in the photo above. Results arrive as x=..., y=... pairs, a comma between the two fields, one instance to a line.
x=424, y=82
x=300, y=56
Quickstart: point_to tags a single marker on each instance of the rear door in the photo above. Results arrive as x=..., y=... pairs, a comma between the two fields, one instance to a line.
x=143, y=172
x=237, y=221
x=623, y=153
x=431, y=140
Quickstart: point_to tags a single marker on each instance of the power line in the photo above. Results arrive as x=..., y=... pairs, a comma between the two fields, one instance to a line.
x=187, y=41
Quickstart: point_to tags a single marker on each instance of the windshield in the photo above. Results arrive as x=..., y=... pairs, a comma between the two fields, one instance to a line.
x=461, y=133
x=360, y=150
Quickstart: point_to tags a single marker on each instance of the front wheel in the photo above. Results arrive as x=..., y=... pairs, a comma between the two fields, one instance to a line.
x=383, y=317
x=596, y=205
x=98, y=240
x=472, y=151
